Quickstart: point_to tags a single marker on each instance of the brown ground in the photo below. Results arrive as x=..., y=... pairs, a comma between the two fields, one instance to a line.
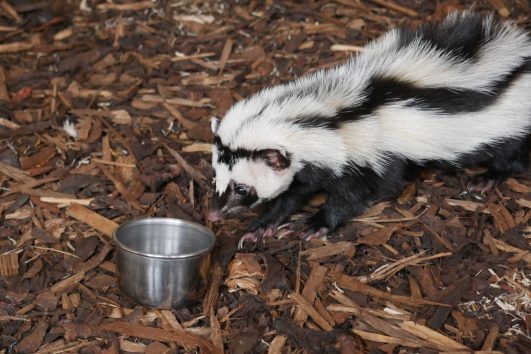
x=434, y=270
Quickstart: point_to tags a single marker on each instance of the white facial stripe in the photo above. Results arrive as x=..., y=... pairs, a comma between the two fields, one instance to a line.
x=267, y=182
x=222, y=172
x=223, y=178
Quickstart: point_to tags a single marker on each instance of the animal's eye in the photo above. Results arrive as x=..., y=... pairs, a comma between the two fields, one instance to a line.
x=241, y=189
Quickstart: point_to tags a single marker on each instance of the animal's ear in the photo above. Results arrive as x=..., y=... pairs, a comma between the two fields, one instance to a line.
x=214, y=124
x=275, y=159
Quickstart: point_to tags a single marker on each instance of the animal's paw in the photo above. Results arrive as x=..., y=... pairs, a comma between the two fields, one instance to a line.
x=317, y=227
x=255, y=235
x=313, y=234
x=481, y=185
x=308, y=229
x=290, y=228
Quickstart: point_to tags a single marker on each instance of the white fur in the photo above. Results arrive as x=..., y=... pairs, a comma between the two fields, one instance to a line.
x=431, y=68
x=214, y=124
x=410, y=132
x=425, y=135
x=69, y=126
x=267, y=182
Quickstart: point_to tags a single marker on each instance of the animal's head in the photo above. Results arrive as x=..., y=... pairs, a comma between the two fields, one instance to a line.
x=245, y=178
x=265, y=140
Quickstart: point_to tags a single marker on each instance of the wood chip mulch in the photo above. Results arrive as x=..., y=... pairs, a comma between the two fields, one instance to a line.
x=435, y=270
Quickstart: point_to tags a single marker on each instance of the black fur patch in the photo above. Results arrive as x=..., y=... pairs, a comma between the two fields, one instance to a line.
x=317, y=122
x=229, y=156
x=349, y=193
x=229, y=203
x=353, y=190
x=444, y=100
x=505, y=158
x=462, y=38
x=441, y=99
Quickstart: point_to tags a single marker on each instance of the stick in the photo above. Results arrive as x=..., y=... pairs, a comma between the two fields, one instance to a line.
x=139, y=6
x=15, y=47
x=346, y=48
x=196, y=176
x=397, y=8
x=64, y=284
x=91, y=218
x=225, y=54
x=15, y=173
x=311, y=311
x=160, y=335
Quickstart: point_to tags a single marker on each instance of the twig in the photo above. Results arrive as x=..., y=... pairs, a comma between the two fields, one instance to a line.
x=93, y=219
x=374, y=220
x=13, y=318
x=311, y=311
x=10, y=11
x=15, y=173
x=62, y=285
x=138, y=6
x=397, y=8
x=388, y=270
x=346, y=48
x=54, y=250
x=9, y=124
x=113, y=163
x=193, y=56
x=225, y=54
x=16, y=47
x=196, y=175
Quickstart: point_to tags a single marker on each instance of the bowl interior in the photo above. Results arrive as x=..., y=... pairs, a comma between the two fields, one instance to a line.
x=160, y=237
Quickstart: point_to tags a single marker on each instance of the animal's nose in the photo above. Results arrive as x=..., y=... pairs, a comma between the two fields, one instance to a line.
x=214, y=216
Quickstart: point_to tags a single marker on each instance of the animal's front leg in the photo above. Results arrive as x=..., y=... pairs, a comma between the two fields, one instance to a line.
x=351, y=194
x=282, y=207
x=339, y=207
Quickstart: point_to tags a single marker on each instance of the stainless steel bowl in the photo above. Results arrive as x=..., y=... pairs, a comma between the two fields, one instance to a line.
x=162, y=262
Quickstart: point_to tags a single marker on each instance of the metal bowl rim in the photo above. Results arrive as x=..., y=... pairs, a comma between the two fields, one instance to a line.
x=172, y=221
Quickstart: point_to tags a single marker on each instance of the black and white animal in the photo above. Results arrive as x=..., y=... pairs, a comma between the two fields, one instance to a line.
x=456, y=93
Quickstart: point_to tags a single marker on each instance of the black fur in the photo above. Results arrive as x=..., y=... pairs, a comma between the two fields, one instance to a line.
x=348, y=195
x=229, y=156
x=460, y=38
x=285, y=204
x=445, y=100
x=357, y=187
x=382, y=91
x=506, y=158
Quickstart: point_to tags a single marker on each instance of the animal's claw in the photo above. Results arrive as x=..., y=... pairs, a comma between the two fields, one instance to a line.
x=304, y=228
x=290, y=228
x=312, y=234
x=481, y=185
x=292, y=225
x=254, y=236
x=248, y=237
x=297, y=227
